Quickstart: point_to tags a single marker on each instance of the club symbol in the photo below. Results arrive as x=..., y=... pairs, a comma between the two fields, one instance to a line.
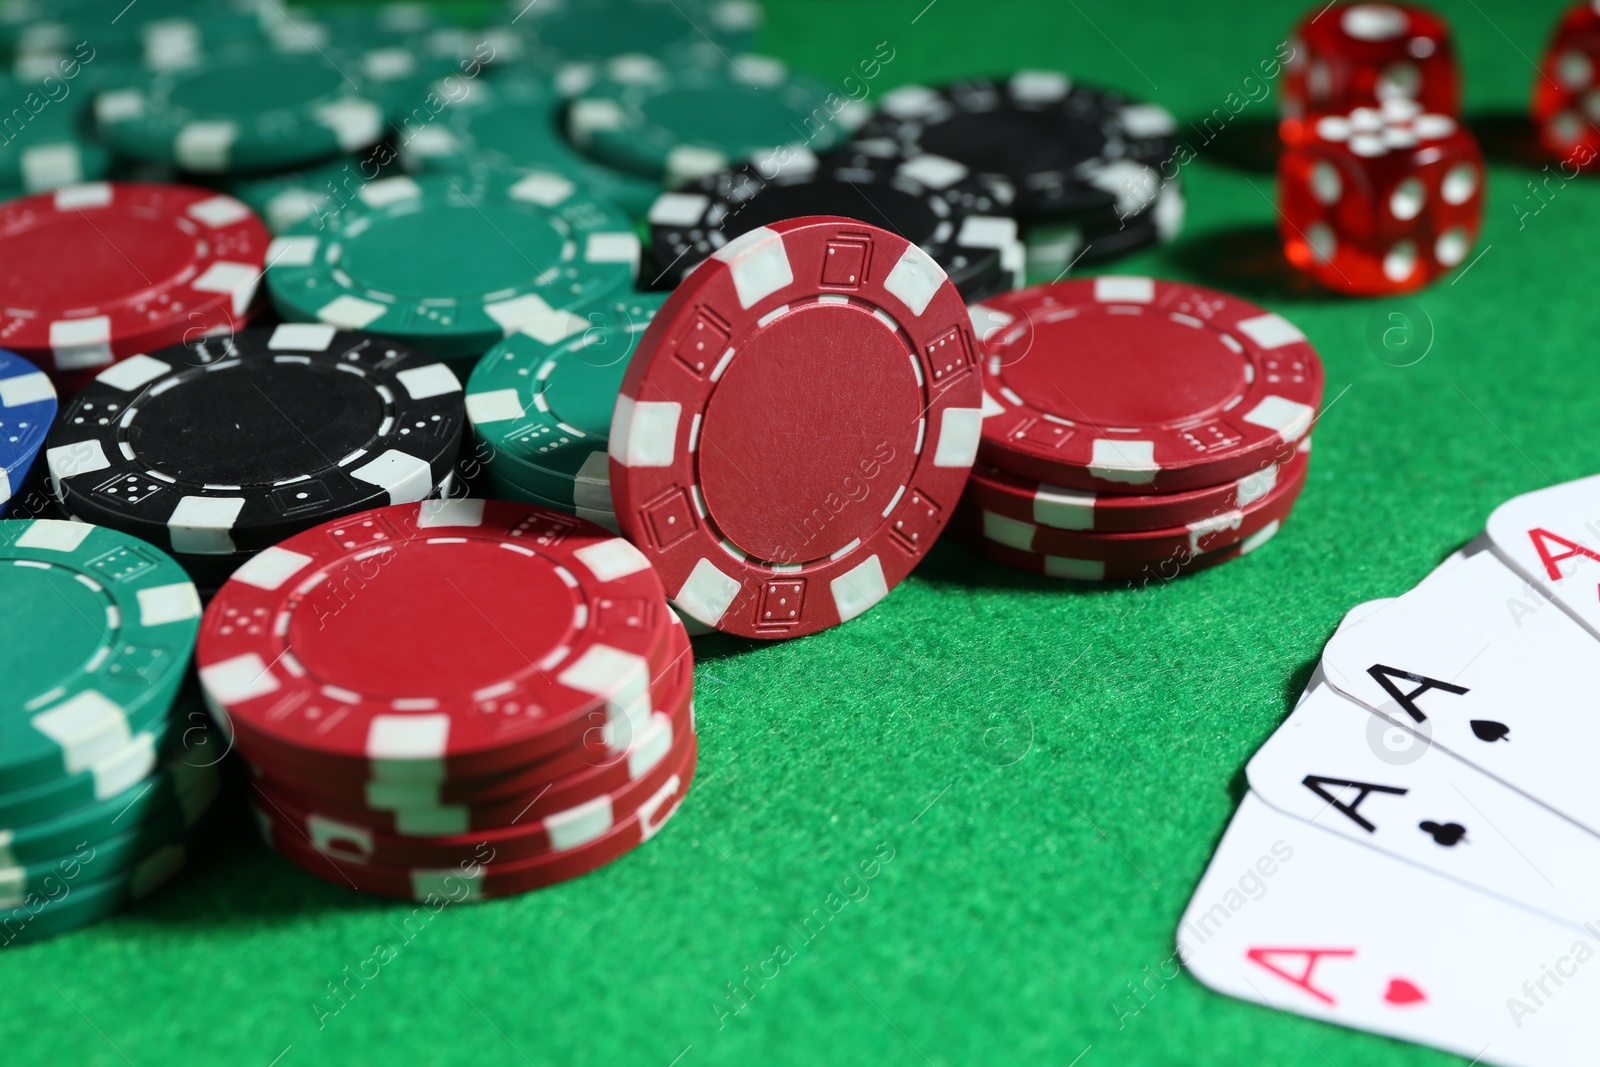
x=1448, y=835
x=1489, y=730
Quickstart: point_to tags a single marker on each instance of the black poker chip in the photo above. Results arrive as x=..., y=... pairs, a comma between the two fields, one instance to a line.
x=1072, y=152
x=960, y=220
x=226, y=446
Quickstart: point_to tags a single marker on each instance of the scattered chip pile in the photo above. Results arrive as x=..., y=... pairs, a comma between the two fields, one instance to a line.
x=217, y=449
x=456, y=699
x=104, y=770
x=1136, y=428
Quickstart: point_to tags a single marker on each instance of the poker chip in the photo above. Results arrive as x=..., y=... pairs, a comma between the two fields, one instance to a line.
x=677, y=122
x=1091, y=570
x=574, y=37
x=119, y=268
x=515, y=121
x=1213, y=532
x=541, y=406
x=284, y=198
x=993, y=490
x=27, y=408
x=255, y=107
x=53, y=148
x=960, y=220
x=101, y=655
x=442, y=687
x=776, y=518
x=58, y=905
x=226, y=446
x=485, y=878
x=454, y=263
x=521, y=834
x=1134, y=385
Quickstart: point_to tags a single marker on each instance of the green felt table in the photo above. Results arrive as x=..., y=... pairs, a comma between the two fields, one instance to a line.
x=956, y=829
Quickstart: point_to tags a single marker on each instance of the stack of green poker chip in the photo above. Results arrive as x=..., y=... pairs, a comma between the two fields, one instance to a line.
x=454, y=263
x=515, y=120
x=679, y=121
x=541, y=407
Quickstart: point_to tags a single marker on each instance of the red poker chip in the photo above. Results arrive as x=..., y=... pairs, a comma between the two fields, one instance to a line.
x=652, y=743
x=95, y=273
x=1088, y=570
x=1134, y=385
x=796, y=426
x=604, y=742
x=1218, y=530
x=531, y=834
x=421, y=642
x=1058, y=507
x=482, y=878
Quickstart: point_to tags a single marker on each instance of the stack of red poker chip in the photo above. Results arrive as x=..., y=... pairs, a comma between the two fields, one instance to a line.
x=1135, y=428
x=108, y=270
x=796, y=426
x=452, y=700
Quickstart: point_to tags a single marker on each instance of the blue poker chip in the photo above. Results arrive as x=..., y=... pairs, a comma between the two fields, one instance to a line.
x=27, y=408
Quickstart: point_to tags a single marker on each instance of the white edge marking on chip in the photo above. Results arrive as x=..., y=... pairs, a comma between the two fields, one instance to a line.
x=238, y=279
x=436, y=514
x=133, y=373
x=914, y=279
x=579, y=825
x=388, y=191
x=405, y=477
x=77, y=344
x=408, y=737
x=859, y=588
x=960, y=429
x=644, y=433
x=80, y=457
x=1063, y=509
x=54, y=535
x=1086, y=570
x=588, y=117
x=1124, y=289
x=429, y=380
x=612, y=559
x=543, y=187
x=759, y=263
x=86, y=728
x=205, y=146
x=203, y=525
x=679, y=209
x=1270, y=331
x=219, y=211
x=1132, y=462
x=30, y=388
x=614, y=247
x=162, y=604
x=325, y=831
x=987, y=231
x=351, y=312
x=302, y=337
x=1290, y=418
x=271, y=568
x=233, y=681
x=1253, y=487
x=292, y=251
x=447, y=820
x=497, y=405
x=1008, y=531
x=707, y=593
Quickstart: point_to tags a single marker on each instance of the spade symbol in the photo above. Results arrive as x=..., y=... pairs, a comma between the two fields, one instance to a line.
x=1489, y=730
x=1448, y=835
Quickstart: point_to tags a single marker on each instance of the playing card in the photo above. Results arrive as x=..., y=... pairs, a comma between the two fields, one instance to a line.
x=1492, y=673
x=1552, y=538
x=1307, y=921
x=1349, y=770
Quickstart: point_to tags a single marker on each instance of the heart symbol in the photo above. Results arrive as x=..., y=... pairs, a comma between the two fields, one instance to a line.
x=1402, y=992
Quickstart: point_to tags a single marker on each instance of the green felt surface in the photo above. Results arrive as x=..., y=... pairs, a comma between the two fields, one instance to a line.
x=1050, y=767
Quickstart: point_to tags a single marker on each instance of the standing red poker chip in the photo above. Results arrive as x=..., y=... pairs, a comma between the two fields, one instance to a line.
x=1135, y=385
x=90, y=274
x=448, y=638
x=796, y=426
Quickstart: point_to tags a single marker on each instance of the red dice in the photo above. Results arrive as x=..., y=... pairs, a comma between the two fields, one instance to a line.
x=1566, y=93
x=1380, y=200
x=1359, y=55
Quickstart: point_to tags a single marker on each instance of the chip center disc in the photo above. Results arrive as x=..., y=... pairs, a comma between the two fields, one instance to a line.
x=1016, y=142
x=877, y=205
x=441, y=619
x=115, y=257
x=255, y=426
x=48, y=655
x=251, y=87
x=810, y=432
x=725, y=115
x=1124, y=371
x=470, y=250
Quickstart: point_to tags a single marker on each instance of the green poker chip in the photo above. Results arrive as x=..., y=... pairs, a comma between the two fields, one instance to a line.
x=678, y=122
x=98, y=632
x=113, y=773
x=257, y=108
x=573, y=37
x=455, y=263
x=55, y=147
x=515, y=121
x=285, y=198
x=540, y=406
